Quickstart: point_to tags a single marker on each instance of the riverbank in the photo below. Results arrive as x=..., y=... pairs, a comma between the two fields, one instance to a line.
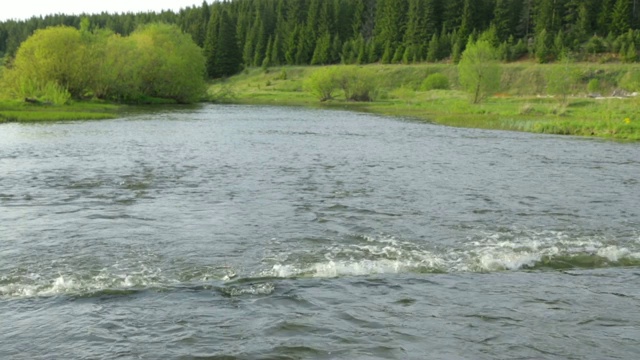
x=21, y=111
x=522, y=105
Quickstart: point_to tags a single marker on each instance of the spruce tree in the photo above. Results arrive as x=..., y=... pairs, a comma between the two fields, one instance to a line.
x=631, y=55
x=621, y=17
x=434, y=49
x=211, y=42
x=228, y=58
x=605, y=16
x=543, y=47
x=504, y=19
x=322, y=51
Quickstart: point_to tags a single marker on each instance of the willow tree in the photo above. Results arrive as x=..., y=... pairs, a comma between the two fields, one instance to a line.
x=479, y=70
x=170, y=64
x=157, y=60
x=49, y=57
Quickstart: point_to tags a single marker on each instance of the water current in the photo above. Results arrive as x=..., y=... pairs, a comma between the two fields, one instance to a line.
x=246, y=232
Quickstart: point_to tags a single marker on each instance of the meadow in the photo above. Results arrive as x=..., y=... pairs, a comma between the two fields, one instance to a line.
x=594, y=99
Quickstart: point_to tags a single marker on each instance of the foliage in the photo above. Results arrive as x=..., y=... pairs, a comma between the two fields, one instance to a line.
x=479, y=70
x=594, y=86
x=358, y=84
x=631, y=80
x=237, y=33
x=435, y=81
x=519, y=107
x=171, y=65
x=560, y=79
x=157, y=60
x=322, y=83
x=50, y=56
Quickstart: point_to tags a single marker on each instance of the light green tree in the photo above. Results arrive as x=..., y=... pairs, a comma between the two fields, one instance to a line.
x=479, y=70
x=118, y=78
x=50, y=55
x=322, y=83
x=171, y=65
x=158, y=60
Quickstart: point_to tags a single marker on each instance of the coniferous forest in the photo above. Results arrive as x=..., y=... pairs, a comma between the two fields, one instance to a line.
x=244, y=33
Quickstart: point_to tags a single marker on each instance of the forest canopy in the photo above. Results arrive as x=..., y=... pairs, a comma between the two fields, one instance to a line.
x=244, y=33
x=155, y=61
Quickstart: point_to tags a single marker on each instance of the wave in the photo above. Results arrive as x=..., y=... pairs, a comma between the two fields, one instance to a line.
x=494, y=252
x=85, y=283
x=356, y=255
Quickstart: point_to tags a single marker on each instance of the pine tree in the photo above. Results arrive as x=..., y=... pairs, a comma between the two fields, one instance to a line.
x=543, y=47
x=266, y=62
x=322, y=51
x=434, y=49
x=621, y=17
x=211, y=42
x=397, y=55
x=605, y=16
x=229, y=58
x=468, y=24
x=452, y=16
x=391, y=23
x=505, y=18
x=631, y=54
x=276, y=52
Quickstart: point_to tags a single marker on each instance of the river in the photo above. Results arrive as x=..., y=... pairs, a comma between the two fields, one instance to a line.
x=248, y=232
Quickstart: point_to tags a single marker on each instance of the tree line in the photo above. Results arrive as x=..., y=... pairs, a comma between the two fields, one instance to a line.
x=237, y=33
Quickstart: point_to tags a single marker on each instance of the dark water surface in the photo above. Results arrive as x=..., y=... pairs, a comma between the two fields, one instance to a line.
x=263, y=233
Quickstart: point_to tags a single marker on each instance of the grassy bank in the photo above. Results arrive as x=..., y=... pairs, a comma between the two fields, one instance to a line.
x=522, y=105
x=20, y=111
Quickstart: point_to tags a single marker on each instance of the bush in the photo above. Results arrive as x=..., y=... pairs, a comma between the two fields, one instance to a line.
x=435, y=81
x=594, y=86
x=630, y=81
x=157, y=60
x=358, y=84
x=561, y=79
x=595, y=45
x=322, y=83
x=55, y=94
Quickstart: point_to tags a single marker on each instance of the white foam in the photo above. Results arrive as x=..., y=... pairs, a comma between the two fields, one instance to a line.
x=508, y=251
x=259, y=289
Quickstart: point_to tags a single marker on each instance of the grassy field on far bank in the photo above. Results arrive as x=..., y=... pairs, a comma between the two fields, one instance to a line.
x=523, y=103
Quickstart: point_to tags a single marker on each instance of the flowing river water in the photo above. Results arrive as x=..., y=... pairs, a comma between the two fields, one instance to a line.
x=248, y=232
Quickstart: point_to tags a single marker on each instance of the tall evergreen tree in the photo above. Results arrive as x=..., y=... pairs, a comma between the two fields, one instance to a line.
x=211, y=45
x=621, y=17
x=390, y=23
x=228, y=59
x=605, y=16
x=505, y=18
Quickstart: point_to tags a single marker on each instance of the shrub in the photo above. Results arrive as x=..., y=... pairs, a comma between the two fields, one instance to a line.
x=595, y=45
x=358, y=84
x=561, y=78
x=322, y=83
x=630, y=81
x=55, y=94
x=435, y=81
x=593, y=86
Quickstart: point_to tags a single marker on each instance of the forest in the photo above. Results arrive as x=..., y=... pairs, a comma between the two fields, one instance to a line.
x=247, y=33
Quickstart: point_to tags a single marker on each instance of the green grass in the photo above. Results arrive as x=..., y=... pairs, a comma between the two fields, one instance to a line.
x=522, y=104
x=18, y=111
